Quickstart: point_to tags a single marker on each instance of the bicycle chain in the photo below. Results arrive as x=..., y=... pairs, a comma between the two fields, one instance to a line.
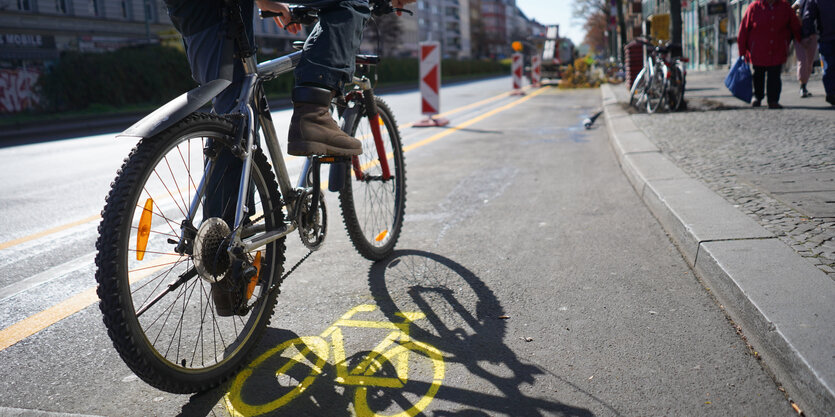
x=286, y=274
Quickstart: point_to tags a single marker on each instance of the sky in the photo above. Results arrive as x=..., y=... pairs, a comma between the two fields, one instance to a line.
x=554, y=12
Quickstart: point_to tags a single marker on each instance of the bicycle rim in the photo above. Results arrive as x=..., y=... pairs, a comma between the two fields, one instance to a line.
x=638, y=90
x=176, y=340
x=656, y=91
x=373, y=207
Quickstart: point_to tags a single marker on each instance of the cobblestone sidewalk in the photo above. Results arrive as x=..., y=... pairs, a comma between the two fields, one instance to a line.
x=741, y=152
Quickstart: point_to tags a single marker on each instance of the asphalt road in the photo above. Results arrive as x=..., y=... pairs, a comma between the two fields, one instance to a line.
x=545, y=286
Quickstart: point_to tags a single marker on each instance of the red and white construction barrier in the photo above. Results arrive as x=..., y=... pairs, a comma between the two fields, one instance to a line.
x=536, y=70
x=430, y=84
x=516, y=70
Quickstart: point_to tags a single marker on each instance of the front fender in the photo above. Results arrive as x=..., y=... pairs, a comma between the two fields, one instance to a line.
x=175, y=110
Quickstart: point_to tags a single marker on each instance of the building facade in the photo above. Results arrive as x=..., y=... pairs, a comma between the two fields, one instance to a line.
x=34, y=33
x=709, y=29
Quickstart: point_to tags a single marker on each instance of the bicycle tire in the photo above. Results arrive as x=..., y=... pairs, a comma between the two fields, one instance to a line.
x=638, y=90
x=657, y=89
x=675, y=94
x=373, y=208
x=180, y=356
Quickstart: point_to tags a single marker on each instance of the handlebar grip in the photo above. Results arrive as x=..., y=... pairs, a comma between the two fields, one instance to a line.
x=267, y=14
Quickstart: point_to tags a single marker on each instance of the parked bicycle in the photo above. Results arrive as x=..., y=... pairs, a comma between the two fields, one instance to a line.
x=662, y=81
x=159, y=254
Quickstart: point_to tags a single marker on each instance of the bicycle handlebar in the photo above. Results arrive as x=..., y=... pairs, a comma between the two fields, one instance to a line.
x=307, y=15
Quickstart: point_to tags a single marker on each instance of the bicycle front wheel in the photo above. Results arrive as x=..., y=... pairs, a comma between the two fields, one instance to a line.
x=638, y=91
x=372, y=205
x=657, y=90
x=160, y=310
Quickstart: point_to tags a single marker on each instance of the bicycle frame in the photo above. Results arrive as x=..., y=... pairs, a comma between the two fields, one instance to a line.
x=253, y=113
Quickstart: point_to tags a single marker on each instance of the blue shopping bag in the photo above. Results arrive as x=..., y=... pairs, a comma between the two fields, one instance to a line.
x=739, y=81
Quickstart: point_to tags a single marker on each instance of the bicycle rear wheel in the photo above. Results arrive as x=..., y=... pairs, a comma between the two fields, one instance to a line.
x=373, y=206
x=675, y=93
x=160, y=311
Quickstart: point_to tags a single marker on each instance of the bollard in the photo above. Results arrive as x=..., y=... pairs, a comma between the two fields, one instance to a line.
x=536, y=71
x=516, y=70
x=430, y=84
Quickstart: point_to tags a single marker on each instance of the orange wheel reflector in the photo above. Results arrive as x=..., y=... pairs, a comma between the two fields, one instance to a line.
x=252, y=283
x=381, y=120
x=144, y=229
x=381, y=236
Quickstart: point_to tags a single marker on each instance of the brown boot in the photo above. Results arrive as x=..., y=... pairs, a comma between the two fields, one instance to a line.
x=312, y=129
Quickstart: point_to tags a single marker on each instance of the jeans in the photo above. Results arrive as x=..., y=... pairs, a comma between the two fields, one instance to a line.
x=327, y=57
x=329, y=52
x=827, y=50
x=774, y=85
x=327, y=61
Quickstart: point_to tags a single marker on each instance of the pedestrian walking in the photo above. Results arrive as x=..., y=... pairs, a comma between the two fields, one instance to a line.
x=805, y=50
x=819, y=17
x=763, y=40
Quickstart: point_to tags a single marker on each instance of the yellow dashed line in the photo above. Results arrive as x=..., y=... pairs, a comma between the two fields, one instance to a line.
x=39, y=321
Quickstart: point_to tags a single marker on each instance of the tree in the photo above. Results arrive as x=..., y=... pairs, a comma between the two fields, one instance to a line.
x=596, y=14
x=675, y=22
x=595, y=28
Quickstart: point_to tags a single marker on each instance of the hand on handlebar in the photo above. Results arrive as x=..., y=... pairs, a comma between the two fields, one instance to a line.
x=283, y=18
x=398, y=4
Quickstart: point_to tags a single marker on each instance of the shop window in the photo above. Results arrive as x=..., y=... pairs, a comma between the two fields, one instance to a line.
x=150, y=16
x=94, y=7
x=61, y=6
x=125, y=4
x=25, y=5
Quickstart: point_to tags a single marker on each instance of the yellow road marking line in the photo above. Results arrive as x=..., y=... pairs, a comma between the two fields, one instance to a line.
x=15, y=242
x=474, y=120
x=462, y=108
x=41, y=320
x=6, y=245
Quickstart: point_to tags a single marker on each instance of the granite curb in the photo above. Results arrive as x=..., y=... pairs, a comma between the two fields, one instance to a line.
x=783, y=304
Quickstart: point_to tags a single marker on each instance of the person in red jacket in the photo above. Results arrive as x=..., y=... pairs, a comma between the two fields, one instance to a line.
x=764, y=35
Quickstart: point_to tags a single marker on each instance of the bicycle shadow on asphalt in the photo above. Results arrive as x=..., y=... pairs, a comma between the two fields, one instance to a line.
x=467, y=323
x=462, y=320
x=211, y=402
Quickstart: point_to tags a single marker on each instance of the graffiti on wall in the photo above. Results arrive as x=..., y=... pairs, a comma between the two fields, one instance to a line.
x=17, y=89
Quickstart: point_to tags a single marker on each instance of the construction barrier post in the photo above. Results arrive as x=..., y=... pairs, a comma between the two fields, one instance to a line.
x=430, y=84
x=536, y=70
x=516, y=70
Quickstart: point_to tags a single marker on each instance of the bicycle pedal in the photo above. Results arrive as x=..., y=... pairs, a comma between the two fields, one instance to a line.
x=333, y=159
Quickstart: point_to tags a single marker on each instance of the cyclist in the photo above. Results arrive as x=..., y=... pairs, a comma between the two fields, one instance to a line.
x=327, y=64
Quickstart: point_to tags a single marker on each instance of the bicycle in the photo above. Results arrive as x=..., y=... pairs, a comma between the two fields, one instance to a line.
x=297, y=363
x=662, y=80
x=160, y=255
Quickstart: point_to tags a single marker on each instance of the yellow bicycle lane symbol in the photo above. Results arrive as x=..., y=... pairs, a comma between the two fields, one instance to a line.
x=397, y=349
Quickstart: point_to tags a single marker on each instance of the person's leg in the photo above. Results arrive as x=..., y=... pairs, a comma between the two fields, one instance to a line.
x=800, y=52
x=759, y=84
x=805, y=50
x=327, y=64
x=329, y=52
x=773, y=85
x=210, y=55
x=827, y=51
